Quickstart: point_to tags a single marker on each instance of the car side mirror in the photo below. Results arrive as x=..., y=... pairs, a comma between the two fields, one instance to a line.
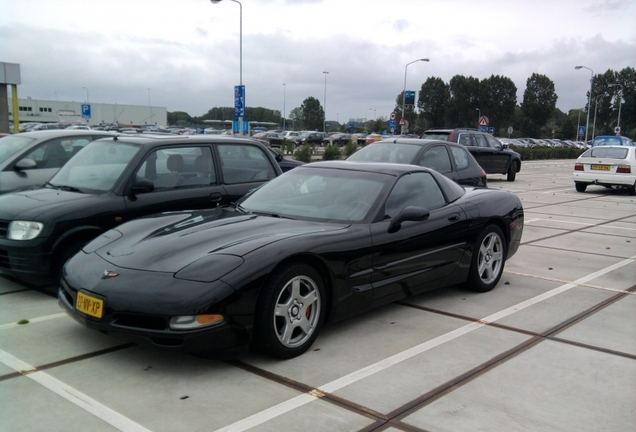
x=416, y=214
x=25, y=164
x=142, y=186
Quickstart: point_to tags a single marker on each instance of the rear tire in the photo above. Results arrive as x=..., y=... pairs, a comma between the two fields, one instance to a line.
x=512, y=172
x=580, y=187
x=487, y=263
x=632, y=190
x=290, y=311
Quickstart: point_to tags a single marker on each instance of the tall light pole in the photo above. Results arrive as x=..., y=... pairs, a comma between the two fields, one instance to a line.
x=403, y=129
x=478, y=115
x=284, y=96
x=620, y=102
x=366, y=119
x=595, y=107
x=589, y=99
x=324, y=103
x=240, y=53
x=86, y=88
x=149, y=107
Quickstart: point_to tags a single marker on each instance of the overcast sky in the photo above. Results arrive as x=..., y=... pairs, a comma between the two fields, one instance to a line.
x=184, y=54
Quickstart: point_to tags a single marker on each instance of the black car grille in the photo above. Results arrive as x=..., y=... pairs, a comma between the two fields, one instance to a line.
x=4, y=227
x=141, y=322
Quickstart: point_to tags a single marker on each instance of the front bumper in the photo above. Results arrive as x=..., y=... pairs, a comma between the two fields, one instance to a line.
x=28, y=260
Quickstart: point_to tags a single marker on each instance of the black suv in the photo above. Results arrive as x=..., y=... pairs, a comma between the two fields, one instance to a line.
x=493, y=156
x=114, y=180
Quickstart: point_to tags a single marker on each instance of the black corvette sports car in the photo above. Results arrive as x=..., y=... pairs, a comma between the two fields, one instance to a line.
x=322, y=242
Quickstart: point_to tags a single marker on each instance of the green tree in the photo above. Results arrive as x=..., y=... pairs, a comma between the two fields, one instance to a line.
x=627, y=79
x=463, y=102
x=178, y=118
x=497, y=100
x=432, y=102
x=312, y=115
x=539, y=102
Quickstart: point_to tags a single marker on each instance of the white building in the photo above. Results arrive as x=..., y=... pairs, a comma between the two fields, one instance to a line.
x=92, y=114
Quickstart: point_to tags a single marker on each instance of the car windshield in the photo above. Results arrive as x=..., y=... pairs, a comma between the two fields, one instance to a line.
x=436, y=136
x=96, y=168
x=12, y=144
x=608, y=140
x=319, y=194
x=386, y=152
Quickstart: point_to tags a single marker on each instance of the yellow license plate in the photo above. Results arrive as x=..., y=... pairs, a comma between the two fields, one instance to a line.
x=600, y=167
x=89, y=305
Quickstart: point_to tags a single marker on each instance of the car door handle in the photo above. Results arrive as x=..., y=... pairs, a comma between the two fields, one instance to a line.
x=453, y=218
x=215, y=197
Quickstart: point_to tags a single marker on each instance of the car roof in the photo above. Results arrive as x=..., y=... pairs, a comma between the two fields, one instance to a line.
x=414, y=141
x=52, y=133
x=161, y=139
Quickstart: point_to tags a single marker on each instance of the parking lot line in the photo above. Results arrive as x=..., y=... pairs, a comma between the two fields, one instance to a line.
x=34, y=320
x=303, y=399
x=72, y=395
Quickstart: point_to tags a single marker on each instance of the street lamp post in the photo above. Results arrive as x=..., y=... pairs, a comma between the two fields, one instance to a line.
x=366, y=119
x=86, y=88
x=324, y=103
x=149, y=107
x=403, y=128
x=620, y=102
x=284, y=92
x=240, y=53
x=589, y=99
x=595, y=107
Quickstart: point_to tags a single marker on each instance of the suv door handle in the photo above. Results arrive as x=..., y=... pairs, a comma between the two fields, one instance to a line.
x=215, y=197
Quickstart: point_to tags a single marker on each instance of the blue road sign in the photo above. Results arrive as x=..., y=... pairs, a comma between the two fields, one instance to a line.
x=392, y=124
x=483, y=129
x=491, y=130
x=239, y=101
x=351, y=126
x=86, y=111
x=581, y=130
x=236, y=127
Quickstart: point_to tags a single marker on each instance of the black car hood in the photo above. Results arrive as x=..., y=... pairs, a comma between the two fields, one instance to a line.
x=32, y=204
x=171, y=241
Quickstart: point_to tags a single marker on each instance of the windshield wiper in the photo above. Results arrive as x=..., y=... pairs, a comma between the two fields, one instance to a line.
x=62, y=187
x=238, y=207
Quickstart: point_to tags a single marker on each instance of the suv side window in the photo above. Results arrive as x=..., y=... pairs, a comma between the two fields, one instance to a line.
x=178, y=167
x=464, y=139
x=480, y=140
x=493, y=143
x=243, y=163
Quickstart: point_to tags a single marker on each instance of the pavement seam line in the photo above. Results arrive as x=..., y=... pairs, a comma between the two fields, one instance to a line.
x=71, y=394
x=305, y=398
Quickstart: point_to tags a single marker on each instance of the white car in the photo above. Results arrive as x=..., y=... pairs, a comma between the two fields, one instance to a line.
x=609, y=166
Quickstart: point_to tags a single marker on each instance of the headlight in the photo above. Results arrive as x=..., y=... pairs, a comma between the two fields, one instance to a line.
x=24, y=230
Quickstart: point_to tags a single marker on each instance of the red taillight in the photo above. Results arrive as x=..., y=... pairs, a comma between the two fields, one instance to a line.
x=624, y=169
x=578, y=167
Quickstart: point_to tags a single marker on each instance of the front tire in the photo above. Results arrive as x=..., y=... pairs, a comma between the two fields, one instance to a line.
x=290, y=311
x=488, y=260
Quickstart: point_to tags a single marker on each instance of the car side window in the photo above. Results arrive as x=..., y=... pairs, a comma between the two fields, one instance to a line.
x=480, y=140
x=460, y=155
x=49, y=155
x=178, y=167
x=243, y=163
x=415, y=189
x=493, y=142
x=437, y=158
x=464, y=139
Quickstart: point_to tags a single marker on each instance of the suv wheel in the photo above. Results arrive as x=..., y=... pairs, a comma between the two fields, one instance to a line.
x=512, y=172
